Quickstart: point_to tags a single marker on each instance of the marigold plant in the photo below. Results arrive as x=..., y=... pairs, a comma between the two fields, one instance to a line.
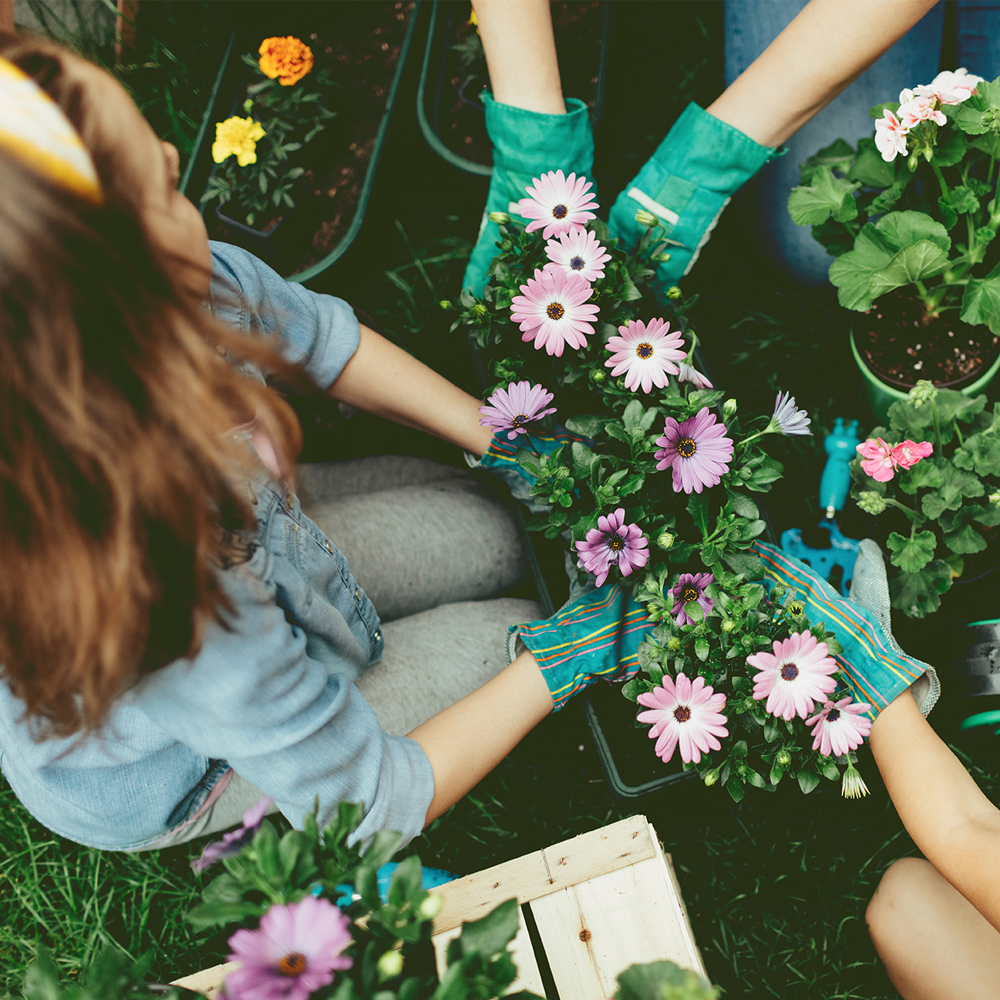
x=288, y=59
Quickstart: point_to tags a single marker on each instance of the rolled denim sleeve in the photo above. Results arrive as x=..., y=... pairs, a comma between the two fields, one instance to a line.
x=318, y=332
x=285, y=721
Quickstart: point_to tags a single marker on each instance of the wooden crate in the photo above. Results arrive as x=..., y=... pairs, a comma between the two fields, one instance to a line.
x=590, y=907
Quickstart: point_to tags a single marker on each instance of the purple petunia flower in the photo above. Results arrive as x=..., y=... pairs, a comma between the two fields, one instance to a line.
x=691, y=587
x=697, y=450
x=295, y=951
x=234, y=841
x=613, y=542
x=519, y=404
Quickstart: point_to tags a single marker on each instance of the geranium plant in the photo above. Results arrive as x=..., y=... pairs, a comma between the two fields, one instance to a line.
x=932, y=477
x=285, y=110
x=656, y=491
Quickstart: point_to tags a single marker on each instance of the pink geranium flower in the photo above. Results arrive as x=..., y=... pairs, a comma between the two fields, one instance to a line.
x=645, y=355
x=553, y=311
x=688, y=373
x=950, y=86
x=890, y=136
x=691, y=587
x=907, y=454
x=795, y=675
x=914, y=110
x=295, y=951
x=613, y=543
x=577, y=252
x=684, y=712
x=557, y=202
x=697, y=450
x=878, y=460
x=511, y=408
x=840, y=726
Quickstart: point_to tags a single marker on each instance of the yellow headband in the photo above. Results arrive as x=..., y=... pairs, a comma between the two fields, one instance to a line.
x=35, y=130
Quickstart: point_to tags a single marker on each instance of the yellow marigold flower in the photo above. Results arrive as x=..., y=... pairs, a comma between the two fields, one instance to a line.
x=287, y=58
x=237, y=137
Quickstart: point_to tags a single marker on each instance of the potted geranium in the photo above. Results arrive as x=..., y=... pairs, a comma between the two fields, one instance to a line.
x=910, y=217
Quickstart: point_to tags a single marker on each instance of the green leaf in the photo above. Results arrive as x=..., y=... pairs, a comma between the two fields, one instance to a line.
x=828, y=768
x=837, y=156
x=808, y=780
x=883, y=202
x=657, y=980
x=406, y=881
x=919, y=594
x=586, y=425
x=915, y=262
x=981, y=301
x=735, y=787
x=912, y=554
x=491, y=934
x=980, y=453
x=951, y=150
x=949, y=495
x=965, y=541
x=923, y=474
x=903, y=229
x=961, y=199
x=584, y=460
x=747, y=564
x=632, y=417
x=966, y=116
x=701, y=647
x=871, y=170
x=741, y=505
x=852, y=272
x=827, y=196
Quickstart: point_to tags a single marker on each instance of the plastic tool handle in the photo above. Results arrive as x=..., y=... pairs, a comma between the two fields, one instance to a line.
x=834, y=484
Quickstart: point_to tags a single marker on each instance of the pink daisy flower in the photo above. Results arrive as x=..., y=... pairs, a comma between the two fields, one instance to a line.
x=577, y=252
x=235, y=840
x=793, y=677
x=557, y=202
x=914, y=110
x=691, y=587
x=511, y=408
x=890, y=136
x=684, y=712
x=688, y=373
x=787, y=417
x=553, y=311
x=907, y=454
x=295, y=951
x=950, y=86
x=645, y=354
x=613, y=543
x=697, y=450
x=840, y=726
x=878, y=460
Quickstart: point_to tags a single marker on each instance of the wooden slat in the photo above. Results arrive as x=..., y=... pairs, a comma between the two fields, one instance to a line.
x=208, y=981
x=558, y=867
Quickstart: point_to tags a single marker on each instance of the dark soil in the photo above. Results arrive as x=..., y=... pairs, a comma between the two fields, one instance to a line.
x=902, y=344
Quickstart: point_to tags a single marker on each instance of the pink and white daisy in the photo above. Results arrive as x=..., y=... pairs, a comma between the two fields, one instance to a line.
x=840, y=726
x=645, y=354
x=787, y=417
x=691, y=587
x=684, y=712
x=878, y=460
x=295, y=951
x=613, y=543
x=890, y=136
x=553, y=311
x=793, y=677
x=950, y=86
x=511, y=408
x=697, y=450
x=910, y=452
x=577, y=252
x=689, y=373
x=557, y=202
x=914, y=110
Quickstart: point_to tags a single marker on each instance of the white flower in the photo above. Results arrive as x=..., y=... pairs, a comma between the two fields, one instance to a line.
x=689, y=373
x=577, y=252
x=914, y=110
x=890, y=136
x=950, y=86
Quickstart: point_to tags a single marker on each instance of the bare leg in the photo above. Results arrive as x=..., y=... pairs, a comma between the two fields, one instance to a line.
x=935, y=944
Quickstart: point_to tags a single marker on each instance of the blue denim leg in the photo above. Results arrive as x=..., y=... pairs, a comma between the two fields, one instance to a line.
x=977, y=37
x=751, y=25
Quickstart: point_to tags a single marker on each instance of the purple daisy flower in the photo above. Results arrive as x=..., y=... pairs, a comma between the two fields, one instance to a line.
x=691, y=587
x=613, y=542
x=553, y=311
x=511, y=408
x=295, y=951
x=645, y=355
x=557, y=203
x=577, y=252
x=697, y=450
x=234, y=841
x=787, y=417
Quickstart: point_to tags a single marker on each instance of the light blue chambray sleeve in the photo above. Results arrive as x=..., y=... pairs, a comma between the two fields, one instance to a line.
x=254, y=697
x=318, y=332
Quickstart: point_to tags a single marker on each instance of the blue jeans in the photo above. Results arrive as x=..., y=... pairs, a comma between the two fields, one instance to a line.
x=751, y=25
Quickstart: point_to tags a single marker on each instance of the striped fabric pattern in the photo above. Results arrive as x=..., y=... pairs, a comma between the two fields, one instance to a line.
x=875, y=671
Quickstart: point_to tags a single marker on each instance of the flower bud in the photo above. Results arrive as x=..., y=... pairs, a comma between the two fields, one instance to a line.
x=665, y=540
x=673, y=644
x=913, y=162
x=598, y=375
x=661, y=258
x=645, y=218
x=479, y=310
x=500, y=218
x=871, y=502
x=994, y=498
x=778, y=591
x=248, y=106
x=710, y=777
x=506, y=246
x=445, y=304
x=928, y=154
x=673, y=292
x=729, y=408
x=431, y=906
x=784, y=758
x=390, y=965
x=728, y=625
x=922, y=392
x=795, y=608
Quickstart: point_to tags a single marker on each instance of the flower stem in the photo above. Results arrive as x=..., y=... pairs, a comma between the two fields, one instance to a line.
x=940, y=177
x=937, y=426
x=914, y=515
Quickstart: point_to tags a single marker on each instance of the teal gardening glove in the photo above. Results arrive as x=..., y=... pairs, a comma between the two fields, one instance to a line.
x=525, y=145
x=686, y=184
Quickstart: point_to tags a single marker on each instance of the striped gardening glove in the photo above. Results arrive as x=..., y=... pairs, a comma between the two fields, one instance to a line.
x=876, y=668
x=593, y=637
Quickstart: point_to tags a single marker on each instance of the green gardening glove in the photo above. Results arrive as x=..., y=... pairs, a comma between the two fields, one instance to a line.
x=525, y=145
x=686, y=184
x=876, y=668
x=594, y=637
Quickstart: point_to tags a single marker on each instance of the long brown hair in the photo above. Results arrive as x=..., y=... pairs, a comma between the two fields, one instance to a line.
x=116, y=468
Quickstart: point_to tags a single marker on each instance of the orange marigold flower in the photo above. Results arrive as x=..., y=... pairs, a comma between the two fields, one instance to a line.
x=287, y=58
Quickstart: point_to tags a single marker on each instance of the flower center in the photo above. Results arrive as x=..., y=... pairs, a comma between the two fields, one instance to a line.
x=576, y=263
x=833, y=715
x=686, y=447
x=789, y=671
x=616, y=543
x=520, y=420
x=682, y=713
x=644, y=351
x=292, y=964
x=560, y=212
x=555, y=311
x=690, y=594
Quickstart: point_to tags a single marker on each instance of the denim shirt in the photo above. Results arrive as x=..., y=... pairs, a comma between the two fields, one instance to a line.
x=271, y=695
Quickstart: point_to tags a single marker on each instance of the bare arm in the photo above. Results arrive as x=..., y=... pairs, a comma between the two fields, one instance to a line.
x=942, y=808
x=465, y=741
x=829, y=44
x=383, y=379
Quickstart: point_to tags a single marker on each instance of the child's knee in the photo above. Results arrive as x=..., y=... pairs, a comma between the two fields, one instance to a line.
x=897, y=901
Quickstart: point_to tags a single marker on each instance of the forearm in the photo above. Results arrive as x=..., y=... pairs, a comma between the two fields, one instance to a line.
x=952, y=822
x=468, y=739
x=383, y=379
x=521, y=54
x=829, y=44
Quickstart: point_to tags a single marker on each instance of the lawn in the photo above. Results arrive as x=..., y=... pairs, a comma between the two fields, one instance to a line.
x=776, y=886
